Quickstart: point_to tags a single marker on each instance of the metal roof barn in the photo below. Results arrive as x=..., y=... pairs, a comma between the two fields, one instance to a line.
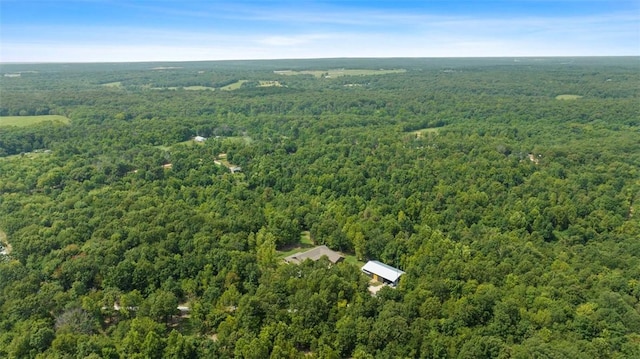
x=381, y=270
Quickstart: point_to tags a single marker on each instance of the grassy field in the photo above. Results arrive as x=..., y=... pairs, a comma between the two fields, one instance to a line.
x=426, y=131
x=340, y=72
x=23, y=121
x=351, y=259
x=22, y=156
x=246, y=140
x=186, y=88
x=568, y=97
x=113, y=84
x=262, y=83
x=305, y=244
x=198, y=88
x=234, y=86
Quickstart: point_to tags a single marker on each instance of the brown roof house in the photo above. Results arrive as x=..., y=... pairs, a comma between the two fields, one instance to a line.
x=315, y=254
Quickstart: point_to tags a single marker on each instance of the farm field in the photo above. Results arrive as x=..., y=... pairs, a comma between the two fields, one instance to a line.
x=568, y=97
x=260, y=83
x=340, y=72
x=234, y=86
x=199, y=88
x=115, y=84
x=22, y=121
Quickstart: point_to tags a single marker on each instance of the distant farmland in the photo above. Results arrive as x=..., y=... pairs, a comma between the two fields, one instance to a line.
x=238, y=84
x=340, y=72
x=568, y=97
x=22, y=121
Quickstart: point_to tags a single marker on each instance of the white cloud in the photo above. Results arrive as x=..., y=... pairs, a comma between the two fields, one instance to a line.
x=328, y=33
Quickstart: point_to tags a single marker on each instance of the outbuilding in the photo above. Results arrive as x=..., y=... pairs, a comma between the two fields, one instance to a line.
x=382, y=272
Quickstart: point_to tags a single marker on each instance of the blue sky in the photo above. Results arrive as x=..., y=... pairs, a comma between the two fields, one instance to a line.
x=164, y=30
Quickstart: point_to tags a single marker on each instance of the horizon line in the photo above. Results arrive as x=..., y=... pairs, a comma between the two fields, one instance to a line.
x=318, y=58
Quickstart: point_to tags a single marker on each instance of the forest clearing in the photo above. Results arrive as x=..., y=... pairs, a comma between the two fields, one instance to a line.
x=568, y=97
x=22, y=121
x=332, y=73
x=4, y=242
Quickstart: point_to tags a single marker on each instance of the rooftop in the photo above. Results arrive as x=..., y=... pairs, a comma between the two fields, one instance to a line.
x=382, y=270
x=315, y=254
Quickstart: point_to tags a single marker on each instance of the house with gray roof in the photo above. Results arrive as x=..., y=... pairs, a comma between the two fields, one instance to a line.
x=315, y=254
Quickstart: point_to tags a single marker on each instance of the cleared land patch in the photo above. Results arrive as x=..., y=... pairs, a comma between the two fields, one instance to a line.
x=5, y=246
x=305, y=244
x=28, y=155
x=429, y=131
x=262, y=83
x=186, y=88
x=113, y=84
x=234, y=86
x=198, y=88
x=270, y=84
x=568, y=97
x=23, y=121
x=340, y=72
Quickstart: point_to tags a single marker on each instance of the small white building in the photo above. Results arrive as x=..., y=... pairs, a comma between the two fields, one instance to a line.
x=382, y=272
x=199, y=139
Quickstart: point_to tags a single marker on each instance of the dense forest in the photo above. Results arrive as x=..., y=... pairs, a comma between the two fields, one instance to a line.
x=507, y=190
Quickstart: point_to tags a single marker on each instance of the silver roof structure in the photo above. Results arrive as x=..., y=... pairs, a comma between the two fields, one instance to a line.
x=382, y=270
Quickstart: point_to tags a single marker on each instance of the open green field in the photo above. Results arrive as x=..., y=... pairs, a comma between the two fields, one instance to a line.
x=22, y=121
x=234, y=86
x=568, y=97
x=198, y=88
x=340, y=72
x=186, y=88
x=426, y=131
x=22, y=156
x=351, y=259
x=262, y=83
x=305, y=244
x=116, y=84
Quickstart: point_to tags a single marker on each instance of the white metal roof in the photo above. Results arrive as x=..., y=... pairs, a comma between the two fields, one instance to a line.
x=382, y=270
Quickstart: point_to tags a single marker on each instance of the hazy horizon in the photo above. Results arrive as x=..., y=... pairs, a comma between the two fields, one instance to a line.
x=515, y=58
x=102, y=31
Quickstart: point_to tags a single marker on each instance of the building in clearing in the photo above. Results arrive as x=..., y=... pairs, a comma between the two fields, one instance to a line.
x=315, y=254
x=199, y=139
x=382, y=272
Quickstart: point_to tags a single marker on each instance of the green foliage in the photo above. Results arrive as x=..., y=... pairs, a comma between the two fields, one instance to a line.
x=513, y=214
